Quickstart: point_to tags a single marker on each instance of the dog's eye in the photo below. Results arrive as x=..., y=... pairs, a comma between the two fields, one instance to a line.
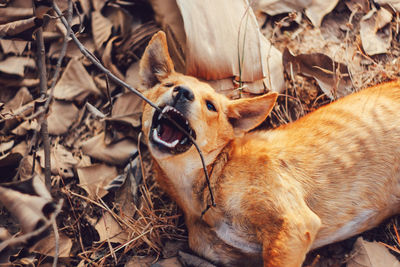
x=210, y=106
x=169, y=84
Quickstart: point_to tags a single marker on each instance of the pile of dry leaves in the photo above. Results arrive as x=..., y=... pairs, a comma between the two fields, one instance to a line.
x=75, y=175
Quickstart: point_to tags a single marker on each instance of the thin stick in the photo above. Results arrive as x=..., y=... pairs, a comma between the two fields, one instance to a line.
x=41, y=64
x=57, y=241
x=96, y=62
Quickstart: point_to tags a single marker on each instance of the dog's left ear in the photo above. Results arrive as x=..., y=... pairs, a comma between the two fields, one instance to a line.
x=246, y=114
x=156, y=63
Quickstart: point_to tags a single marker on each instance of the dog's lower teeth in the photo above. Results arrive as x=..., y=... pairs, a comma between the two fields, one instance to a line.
x=183, y=140
x=159, y=129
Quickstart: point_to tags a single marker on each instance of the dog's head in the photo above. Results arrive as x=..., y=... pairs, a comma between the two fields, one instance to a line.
x=211, y=119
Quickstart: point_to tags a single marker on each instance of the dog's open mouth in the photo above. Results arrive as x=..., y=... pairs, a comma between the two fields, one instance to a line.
x=166, y=135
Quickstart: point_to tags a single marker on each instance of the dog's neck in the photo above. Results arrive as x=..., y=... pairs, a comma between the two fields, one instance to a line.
x=183, y=178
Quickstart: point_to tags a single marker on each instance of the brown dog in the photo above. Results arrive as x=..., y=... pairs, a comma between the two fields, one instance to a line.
x=328, y=176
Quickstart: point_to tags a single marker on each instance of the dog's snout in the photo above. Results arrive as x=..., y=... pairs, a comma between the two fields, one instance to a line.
x=181, y=92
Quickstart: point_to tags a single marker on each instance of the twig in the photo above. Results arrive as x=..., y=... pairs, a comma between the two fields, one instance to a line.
x=97, y=63
x=41, y=64
x=57, y=242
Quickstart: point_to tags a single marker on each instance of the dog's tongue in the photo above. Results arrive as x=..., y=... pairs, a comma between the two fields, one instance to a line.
x=169, y=134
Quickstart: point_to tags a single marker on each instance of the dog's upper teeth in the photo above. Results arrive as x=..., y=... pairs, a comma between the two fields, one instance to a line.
x=183, y=140
x=159, y=128
x=166, y=109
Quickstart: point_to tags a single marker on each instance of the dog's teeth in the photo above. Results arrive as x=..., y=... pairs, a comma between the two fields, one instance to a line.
x=159, y=128
x=183, y=141
x=157, y=139
x=160, y=116
x=173, y=144
x=166, y=109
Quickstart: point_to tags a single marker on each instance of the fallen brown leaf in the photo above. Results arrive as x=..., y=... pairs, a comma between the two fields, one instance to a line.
x=16, y=65
x=13, y=46
x=332, y=77
x=375, y=39
x=110, y=230
x=75, y=83
x=47, y=246
x=127, y=108
x=116, y=153
x=22, y=97
x=61, y=116
x=62, y=161
x=95, y=178
x=371, y=254
x=101, y=29
x=26, y=200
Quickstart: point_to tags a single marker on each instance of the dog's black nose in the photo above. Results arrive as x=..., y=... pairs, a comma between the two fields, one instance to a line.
x=182, y=93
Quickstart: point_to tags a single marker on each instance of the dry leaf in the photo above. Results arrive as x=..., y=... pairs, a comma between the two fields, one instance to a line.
x=371, y=254
x=107, y=59
x=314, y=9
x=14, y=13
x=101, y=29
x=212, y=52
x=132, y=75
x=217, y=36
x=72, y=50
x=119, y=17
x=13, y=46
x=127, y=108
x=75, y=83
x=20, y=29
x=98, y=4
x=275, y=7
x=168, y=15
x=318, y=9
x=62, y=161
x=110, y=230
x=26, y=200
x=359, y=5
x=116, y=153
x=22, y=97
x=5, y=146
x=15, y=159
x=11, y=120
x=95, y=178
x=61, y=116
x=16, y=65
x=376, y=39
x=126, y=196
x=94, y=111
x=392, y=3
x=332, y=77
x=47, y=245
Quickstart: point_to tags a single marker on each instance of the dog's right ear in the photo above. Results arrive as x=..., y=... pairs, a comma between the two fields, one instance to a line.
x=156, y=63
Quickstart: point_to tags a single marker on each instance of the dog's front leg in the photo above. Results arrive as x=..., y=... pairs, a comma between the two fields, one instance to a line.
x=288, y=246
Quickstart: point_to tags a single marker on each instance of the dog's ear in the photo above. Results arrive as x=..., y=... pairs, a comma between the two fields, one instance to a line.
x=156, y=63
x=246, y=114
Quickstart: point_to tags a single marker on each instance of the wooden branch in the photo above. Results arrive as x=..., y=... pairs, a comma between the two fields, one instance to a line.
x=41, y=64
